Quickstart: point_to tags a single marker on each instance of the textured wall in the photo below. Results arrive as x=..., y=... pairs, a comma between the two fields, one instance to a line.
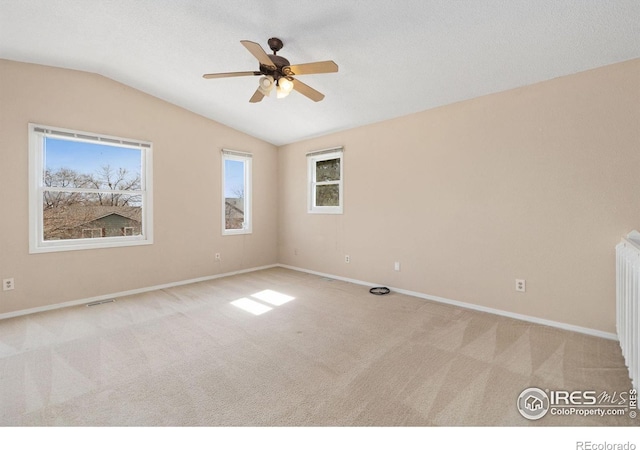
x=187, y=189
x=537, y=183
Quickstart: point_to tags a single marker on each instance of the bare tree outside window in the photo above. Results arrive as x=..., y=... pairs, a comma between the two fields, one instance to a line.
x=328, y=194
x=89, y=186
x=325, y=181
x=67, y=214
x=234, y=209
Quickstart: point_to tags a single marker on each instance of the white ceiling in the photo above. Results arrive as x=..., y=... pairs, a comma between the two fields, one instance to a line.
x=395, y=57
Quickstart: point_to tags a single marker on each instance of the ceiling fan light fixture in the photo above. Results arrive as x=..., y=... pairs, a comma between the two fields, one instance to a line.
x=281, y=93
x=284, y=87
x=285, y=84
x=266, y=84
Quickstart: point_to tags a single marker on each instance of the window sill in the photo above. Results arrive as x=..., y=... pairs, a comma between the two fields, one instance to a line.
x=233, y=232
x=326, y=211
x=65, y=246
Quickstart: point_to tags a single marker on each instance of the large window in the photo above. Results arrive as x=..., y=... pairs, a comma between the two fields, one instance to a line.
x=325, y=181
x=236, y=192
x=87, y=190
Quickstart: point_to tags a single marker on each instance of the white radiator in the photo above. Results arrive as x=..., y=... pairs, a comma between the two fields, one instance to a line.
x=628, y=302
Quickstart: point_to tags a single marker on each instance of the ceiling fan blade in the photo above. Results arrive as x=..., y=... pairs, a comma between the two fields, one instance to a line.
x=257, y=96
x=309, y=68
x=229, y=74
x=259, y=53
x=307, y=91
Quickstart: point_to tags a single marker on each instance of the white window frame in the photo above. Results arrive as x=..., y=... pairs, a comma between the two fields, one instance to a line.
x=37, y=244
x=312, y=159
x=247, y=159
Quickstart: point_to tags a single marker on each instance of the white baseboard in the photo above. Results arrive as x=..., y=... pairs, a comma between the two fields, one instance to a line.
x=99, y=298
x=512, y=315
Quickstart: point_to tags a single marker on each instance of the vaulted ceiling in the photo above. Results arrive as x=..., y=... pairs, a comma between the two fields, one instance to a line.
x=394, y=57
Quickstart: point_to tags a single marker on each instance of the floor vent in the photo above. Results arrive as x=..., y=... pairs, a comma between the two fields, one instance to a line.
x=101, y=302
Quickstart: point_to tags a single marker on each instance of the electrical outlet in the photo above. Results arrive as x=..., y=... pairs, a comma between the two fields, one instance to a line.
x=347, y=259
x=218, y=257
x=396, y=266
x=521, y=285
x=8, y=284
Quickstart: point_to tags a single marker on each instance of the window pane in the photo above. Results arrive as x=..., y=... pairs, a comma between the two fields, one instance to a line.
x=234, y=195
x=89, y=165
x=328, y=170
x=81, y=216
x=233, y=213
x=328, y=195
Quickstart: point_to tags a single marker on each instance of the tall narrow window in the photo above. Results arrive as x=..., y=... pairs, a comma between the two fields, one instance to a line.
x=85, y=188
x=236, y=192
x=325, y=181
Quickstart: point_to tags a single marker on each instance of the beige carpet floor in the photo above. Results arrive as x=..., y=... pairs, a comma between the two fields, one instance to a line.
x=315, y=352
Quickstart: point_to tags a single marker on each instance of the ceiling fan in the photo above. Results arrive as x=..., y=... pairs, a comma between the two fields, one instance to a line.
x=277, y=72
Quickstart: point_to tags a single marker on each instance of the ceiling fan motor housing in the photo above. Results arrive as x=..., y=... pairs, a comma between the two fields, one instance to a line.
x=279, y=62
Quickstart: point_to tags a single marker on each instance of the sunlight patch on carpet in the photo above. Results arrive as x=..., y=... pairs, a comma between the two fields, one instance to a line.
x=273, y=297
x=251, y=306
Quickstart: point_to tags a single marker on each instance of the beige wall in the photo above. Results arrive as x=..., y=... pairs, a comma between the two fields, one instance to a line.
x=537, y=183
x=187, y=189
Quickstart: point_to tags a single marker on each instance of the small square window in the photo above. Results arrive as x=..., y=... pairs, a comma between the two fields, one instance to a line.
x=325, y=171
